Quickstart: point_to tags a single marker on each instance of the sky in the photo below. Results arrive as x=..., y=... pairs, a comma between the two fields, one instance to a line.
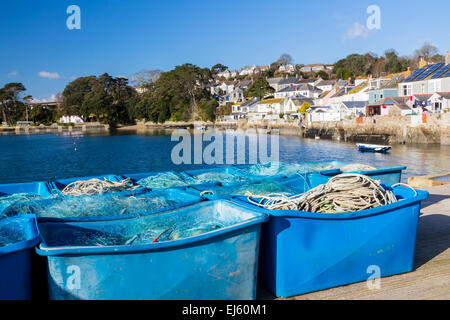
x=122, y=37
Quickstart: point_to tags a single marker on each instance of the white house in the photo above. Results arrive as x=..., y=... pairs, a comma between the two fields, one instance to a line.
x=439, y=101
x=291, y=105
x=71, y=119
x=303, y=90
x=353, y=108
x=240, y=110
x=325, y=114
x=266, y=109
x=427, y=80
x=287, y=68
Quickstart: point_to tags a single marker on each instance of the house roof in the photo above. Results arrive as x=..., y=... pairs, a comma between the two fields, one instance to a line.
x=250, y=102
x=274, y=80
x=268, y=101
x=326, y=83
x=355, y=104
x=422, y=97
x=300, y=81
x=402, y=106
x=445, y=95
x=298, y=101
x=243, y=83
x=394, y=100
x=303, y=87
x=288, y=80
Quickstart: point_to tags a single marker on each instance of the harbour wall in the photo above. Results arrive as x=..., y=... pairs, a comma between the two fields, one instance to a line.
x=433, y=129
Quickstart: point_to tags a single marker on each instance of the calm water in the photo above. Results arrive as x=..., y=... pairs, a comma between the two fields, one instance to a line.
x=50, y=156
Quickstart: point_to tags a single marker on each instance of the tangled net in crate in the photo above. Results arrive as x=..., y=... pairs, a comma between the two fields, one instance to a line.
x=97, y=186
x=346, y=192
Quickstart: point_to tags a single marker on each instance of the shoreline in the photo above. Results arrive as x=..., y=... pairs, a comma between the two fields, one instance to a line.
x=382, y=133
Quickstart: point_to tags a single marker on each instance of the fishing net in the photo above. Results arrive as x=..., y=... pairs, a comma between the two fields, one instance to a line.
x=8, y=200
x=12, y=233
x=218, y=176
x=98, y=206
x=97, y=186
x=150, y=229
x=342, y=193
x=164, y=180
x=278, y=168
x=263, y=187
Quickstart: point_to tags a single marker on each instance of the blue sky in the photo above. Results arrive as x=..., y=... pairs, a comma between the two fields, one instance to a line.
x=122, y=37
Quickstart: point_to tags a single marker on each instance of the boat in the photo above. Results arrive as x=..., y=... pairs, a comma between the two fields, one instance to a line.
x=373, y=148
x=200, y=127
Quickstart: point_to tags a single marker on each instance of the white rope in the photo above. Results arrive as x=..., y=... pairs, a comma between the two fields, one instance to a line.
x=97, y=186
x=346, y=192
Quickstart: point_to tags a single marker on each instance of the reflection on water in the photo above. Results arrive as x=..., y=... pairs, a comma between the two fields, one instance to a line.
x=49, y=156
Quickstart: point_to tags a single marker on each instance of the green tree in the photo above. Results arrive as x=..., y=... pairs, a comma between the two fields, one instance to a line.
x=218, y=68
x=208, y=109
x=259, y=88
x=12, y=107
x=323, y=75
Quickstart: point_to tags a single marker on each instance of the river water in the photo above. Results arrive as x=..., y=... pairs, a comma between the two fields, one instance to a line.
x=36, y=157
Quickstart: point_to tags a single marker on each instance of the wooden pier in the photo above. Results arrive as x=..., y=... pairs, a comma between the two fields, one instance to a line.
x=431, y=276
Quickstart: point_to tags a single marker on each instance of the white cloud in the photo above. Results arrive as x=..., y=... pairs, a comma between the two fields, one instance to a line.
x=13, y=74
x=356, y=31
x=49, y=75
x=50, y=98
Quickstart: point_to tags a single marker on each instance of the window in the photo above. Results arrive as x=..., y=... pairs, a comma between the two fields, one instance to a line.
x=407, y=90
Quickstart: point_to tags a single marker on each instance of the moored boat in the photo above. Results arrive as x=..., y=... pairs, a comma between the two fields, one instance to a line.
x=373, y=147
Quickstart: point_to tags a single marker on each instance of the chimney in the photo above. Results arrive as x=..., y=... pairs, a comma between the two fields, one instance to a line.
x=349, y=81
x=422, y=62
x=447, y=58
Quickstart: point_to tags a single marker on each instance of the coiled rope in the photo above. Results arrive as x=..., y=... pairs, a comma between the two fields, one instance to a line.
x=346, y=192
x=97, y=186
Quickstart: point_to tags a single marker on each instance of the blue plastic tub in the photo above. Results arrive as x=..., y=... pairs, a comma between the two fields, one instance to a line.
x=108, y=206
x=165, y=179
x=303, y=252
x=387, y=175
x=18, y=235
x=219, y=264
x=18, y=192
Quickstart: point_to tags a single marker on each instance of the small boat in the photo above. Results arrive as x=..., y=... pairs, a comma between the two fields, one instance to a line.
x=200, y=128
x=373, y=147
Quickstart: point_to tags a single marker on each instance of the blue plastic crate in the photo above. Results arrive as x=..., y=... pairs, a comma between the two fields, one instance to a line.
x=387, y=175
x=103, y=207
x=303, y=252
x=219, y=264
x=18, y=192
x=39, y=188
x=21, y=235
